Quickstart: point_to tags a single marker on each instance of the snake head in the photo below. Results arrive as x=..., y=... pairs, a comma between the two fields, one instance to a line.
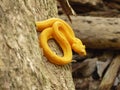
x=79, y=48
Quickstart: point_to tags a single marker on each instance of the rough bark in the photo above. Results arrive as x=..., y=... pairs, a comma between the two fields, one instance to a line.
x=22, y=64
x=97, y=32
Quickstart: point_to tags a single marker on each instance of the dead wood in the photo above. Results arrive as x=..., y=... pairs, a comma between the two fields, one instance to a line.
x=92, y=2
x=103, y=62
x=110, y=75
x=77, y=66
x=97, y=32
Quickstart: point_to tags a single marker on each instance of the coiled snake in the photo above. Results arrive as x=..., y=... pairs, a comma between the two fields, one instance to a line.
x=64, y=35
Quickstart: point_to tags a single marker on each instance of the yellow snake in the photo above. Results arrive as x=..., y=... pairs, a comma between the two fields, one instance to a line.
x=59, y=30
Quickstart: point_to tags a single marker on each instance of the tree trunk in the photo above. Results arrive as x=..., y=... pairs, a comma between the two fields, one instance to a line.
x=22, y=64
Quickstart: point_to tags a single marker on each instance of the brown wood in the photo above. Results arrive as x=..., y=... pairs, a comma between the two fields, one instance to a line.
x=110, y=75
x=22, y=64
x=97, y=32
x=93, y=2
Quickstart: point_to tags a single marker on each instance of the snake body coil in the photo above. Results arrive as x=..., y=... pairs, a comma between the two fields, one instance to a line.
x=64, y=35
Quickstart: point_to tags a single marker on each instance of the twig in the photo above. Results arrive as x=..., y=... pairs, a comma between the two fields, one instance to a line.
x=110, y=75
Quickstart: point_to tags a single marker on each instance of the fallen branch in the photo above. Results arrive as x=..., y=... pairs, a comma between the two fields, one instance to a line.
x=97, y=32
x=110, y=75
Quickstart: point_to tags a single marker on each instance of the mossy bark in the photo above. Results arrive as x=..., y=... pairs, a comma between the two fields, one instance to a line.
x=22, y=64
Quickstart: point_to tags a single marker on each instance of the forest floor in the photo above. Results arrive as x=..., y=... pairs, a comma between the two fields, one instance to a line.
x=100, y=68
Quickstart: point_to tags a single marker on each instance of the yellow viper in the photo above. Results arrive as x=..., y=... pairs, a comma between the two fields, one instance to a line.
x=60, y=31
